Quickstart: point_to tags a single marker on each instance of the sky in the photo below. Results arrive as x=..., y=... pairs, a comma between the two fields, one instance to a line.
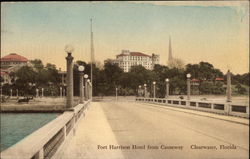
x=216, y=32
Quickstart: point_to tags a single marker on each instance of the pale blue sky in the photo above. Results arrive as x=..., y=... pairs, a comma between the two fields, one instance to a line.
x=215, y=33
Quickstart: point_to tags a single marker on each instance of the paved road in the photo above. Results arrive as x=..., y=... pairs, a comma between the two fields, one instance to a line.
x=160, y=133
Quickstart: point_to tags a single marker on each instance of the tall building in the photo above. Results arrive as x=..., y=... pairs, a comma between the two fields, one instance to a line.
x=127, y=59
x=11, y=63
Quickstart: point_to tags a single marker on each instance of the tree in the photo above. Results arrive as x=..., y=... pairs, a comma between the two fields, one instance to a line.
x=37, y=64
x=240, y=89
x=176, y=63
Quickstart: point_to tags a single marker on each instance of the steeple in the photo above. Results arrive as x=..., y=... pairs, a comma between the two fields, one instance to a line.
x=170, y=57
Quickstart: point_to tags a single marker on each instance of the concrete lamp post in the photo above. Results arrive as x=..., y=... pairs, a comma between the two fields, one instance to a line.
x=61, y=92
x=42, y=91
x=89, y=88
x=37, y=92
x=229, y=91
x=167, y=87
x=10, y=92
x=69, y=49
x=81, y=69
x=139, y=91
x=154, y=88
x=86, y=87
x=145, y=90
x=116, y=93
x=188, y=86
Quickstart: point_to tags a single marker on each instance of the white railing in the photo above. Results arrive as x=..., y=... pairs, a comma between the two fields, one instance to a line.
x=227, y=108
x=44, y=142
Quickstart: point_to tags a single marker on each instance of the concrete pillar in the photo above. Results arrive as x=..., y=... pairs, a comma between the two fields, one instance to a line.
x=81, y=88
x=42, y=92
x=61, y=93
x=154, y=88
x=167, y=88
x=37, y=93
x=10, y=92
x=86, y=89
x=69, y=59
x=17, y=92
x=229, y=91
x=40, y=154
x=145, y=90
x=188, y=88
x=116, y=93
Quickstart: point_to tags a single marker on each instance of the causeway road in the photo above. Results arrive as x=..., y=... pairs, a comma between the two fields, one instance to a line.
x=131, y=130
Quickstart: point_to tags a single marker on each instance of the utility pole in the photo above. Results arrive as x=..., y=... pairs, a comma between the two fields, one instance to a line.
x=92, y=54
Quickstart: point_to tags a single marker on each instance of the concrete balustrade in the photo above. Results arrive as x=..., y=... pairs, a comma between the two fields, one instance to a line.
x=226, y=108
x=44, y=142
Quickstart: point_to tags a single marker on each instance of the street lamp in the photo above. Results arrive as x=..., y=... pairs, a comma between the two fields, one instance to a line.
x=154, y=88
x=10, y=92
x=116, y=92
x=139, y=91
x=86, y=87
x=81, y=69
x=69, y=49
x=145, y=90
x=188, y=86
x=229, y=91
x=42, y=91
x=89, y=88
x=167, y=87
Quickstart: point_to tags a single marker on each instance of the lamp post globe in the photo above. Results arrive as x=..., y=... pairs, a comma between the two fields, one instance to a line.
x=154, y=82
x=188, y=75
x=167, y=80
x=139, y=86
x=145, y=85
x=86, y=76
x=88, y=80
x=69, y=49
x=81, y=68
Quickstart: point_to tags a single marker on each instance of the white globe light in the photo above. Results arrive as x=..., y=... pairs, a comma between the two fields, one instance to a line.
x=139, y=86
x=69, y=48
x=81, y=68
x=86, y=76
x=167, y=80
x=188, y=75
x=154, y=82
x=88, y=80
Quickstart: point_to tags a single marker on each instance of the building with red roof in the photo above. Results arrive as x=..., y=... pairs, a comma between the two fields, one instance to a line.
x=11, y=63
x=127, y=59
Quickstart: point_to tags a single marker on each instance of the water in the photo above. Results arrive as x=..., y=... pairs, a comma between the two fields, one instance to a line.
x=16, y=126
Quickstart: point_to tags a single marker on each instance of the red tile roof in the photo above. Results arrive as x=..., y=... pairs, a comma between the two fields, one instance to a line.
x=134, y=54
x=195, y=80
x=14, y=57
x=219, y=79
